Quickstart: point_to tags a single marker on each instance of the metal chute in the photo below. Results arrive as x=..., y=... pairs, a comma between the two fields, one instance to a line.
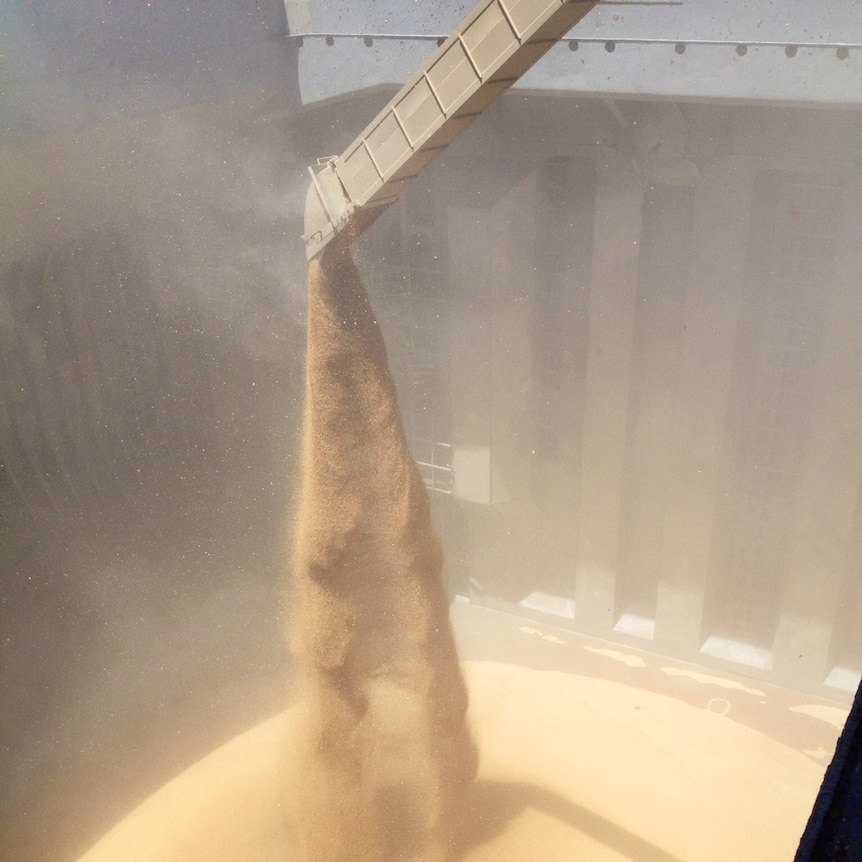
x=488, y=52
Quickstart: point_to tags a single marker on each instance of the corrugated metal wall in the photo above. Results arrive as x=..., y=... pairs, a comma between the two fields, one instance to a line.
x=656, y=374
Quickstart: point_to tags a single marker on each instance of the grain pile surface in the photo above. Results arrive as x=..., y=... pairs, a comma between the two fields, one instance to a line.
x=574, y=769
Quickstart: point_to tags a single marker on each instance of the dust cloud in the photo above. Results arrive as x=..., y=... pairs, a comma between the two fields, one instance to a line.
x=140, y=640
x=151, y=367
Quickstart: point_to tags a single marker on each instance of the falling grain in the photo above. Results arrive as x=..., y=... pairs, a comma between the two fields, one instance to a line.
x=386, y=758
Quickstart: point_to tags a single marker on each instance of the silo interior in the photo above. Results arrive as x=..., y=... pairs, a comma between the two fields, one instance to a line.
x=623, y=323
